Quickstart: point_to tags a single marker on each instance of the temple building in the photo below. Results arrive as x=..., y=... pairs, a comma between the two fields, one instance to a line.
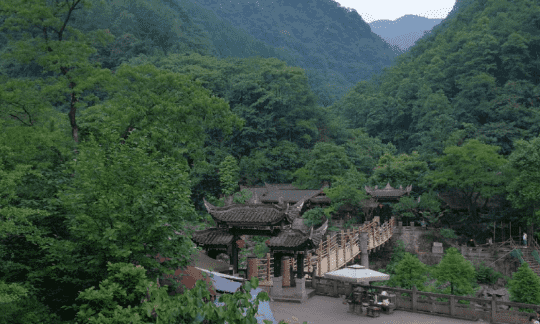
x=281, y=222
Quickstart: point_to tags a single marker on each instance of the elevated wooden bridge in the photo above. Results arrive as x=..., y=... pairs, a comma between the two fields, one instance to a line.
x=334, y=251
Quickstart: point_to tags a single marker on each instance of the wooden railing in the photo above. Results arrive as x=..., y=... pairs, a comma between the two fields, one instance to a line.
x=334, y=250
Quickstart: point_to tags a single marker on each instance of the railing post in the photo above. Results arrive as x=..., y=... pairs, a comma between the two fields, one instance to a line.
x=268, y=266
x=350, y=241
x=328, y=242
x=452, y=305
x=414, y=296
x=319, y=258
x=337, y=252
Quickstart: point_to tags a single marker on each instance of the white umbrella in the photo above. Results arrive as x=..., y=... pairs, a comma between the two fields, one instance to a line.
x=357, y=274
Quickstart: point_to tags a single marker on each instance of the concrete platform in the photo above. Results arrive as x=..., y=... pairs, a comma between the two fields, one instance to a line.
x=289, y=294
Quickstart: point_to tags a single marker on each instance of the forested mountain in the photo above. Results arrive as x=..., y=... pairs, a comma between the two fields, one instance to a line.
x=404, y=31
x=334, y=45
x=118, y=117
x=477, y=75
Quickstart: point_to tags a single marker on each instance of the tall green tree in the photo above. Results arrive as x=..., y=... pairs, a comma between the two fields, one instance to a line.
x=525, y=286
x=228, y=174
x=61, y=51
x=404, y=170
x=327, y=163
x=472, y=168
x=347, y=190
x=409, y=272
x=524, y=187
x=426, y=206
x=454, y=268
x=364, y=151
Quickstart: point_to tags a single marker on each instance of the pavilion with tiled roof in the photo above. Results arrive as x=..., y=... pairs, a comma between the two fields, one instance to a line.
x=388, y=193
x=289, y=236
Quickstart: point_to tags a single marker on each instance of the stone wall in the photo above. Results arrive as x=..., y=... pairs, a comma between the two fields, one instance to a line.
x=416, y=242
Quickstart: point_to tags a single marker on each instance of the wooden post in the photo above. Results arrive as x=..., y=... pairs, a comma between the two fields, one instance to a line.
x=511, y=238
x=268, y=266
x=414, y=296
x=350, y=240
x=309, y=262
x=452, y=305
x=337, y=252
x=494, y=224
x=319, y=258
x=328, y=242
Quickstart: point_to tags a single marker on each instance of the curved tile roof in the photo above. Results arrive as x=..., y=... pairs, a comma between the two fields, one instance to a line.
x=250, y=214
x=212, y=236
x=388, y=191
x=295, y=237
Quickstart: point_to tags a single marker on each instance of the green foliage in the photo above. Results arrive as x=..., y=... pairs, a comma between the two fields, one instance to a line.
x=17, y=307
x=409, y=272
x=364, y=151
x=516, y=253
x=457, y=270
x=486, y=275
x=314, y=217
x=228, y=174
x=261, y=250
x=345, y=190
x=448, y=233
x=243, y=196
x=398, y=253
x=535, y=255
x=471, y=168
x=128, y=296
x=524, y=189
x=328, y=162
x=399, y=170
x=525, y=286
x=425, y=207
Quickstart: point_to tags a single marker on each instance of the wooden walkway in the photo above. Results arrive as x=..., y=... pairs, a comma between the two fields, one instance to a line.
x=335, y=251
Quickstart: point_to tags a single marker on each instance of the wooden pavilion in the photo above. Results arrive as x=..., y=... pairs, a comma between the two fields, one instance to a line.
x=281, y=222
x=376, y=206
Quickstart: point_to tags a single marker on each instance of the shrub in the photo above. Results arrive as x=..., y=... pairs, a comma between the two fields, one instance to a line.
x=26, y=310
x=127, y=296
x=448, y=233
x=486, y=275
x=525, y=286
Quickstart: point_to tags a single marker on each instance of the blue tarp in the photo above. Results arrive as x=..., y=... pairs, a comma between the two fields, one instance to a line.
x=227, y=284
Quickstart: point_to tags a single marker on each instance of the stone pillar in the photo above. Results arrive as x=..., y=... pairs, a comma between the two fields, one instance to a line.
x=437, y=247
x=364, y=249
x=300, y=266
x=277, y=289
x=301, y=288
x=286, y=272
x=252, y=267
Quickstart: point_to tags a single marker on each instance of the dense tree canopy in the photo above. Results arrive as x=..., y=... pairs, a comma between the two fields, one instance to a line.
x=117, y=118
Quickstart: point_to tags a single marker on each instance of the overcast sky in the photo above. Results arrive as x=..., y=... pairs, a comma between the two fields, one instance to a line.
x=372, y=10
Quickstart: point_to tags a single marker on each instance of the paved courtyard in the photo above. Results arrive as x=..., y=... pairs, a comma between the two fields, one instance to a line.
x=329, y=310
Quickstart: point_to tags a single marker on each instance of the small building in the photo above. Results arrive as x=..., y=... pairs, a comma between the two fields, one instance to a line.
x=289, y=236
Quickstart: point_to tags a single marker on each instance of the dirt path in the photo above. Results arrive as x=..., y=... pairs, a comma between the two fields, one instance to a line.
x=329, y=310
